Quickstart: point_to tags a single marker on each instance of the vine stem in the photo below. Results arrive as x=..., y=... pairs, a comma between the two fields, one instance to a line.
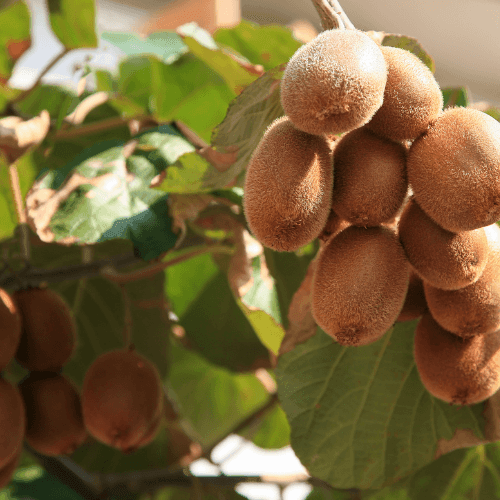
x=47, y=68
x=15, y=187
x=332, y=15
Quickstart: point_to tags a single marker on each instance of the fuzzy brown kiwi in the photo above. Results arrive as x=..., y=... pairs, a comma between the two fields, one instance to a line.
x=454, y=170
x=412, y=97
x=475, y=308
x=370, y=178
x=359, y=285
x=415, y=304
x=456, y=370
x=444, y=259
x=12, y=421
x=10, y=329
x=288, y=187
x=54, y=415
x=122, y=395
x=333, y=226
x=48, y=336
x=335, y=83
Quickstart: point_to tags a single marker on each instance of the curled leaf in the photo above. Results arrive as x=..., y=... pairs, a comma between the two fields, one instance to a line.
x=20, y=134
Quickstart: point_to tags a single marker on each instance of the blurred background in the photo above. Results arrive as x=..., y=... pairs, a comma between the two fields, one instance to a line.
x=463, y=36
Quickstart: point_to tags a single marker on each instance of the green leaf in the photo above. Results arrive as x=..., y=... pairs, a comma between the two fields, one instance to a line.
x=493, y=112
x=106, y=196
x=207, y=492
x=37, y=484
x=455, y=96
x=167, y=45
x=73, y=22
x=246, y=120
x=266, y=45
x=234, y=74
x=15, y=38
x=288, y=271
x=273, y=432
x=463, y=474
x=27, y=169
x=412, y=45
x=217, y=328
x=211, y=400
x=338, y=399
x=197, y=272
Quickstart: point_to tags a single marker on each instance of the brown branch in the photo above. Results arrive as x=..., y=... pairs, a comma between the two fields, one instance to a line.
x=47, y=68
x=95, y=127
x=332, y=15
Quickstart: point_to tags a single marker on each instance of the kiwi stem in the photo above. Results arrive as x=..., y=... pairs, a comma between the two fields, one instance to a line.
x=20, y=210
x=127, y=327
x=332, y=15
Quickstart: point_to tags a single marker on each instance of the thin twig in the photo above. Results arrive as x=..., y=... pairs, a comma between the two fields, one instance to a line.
x=47, y=68
x=332, y=15
x=150, y=271
x=95, y=127
x=21, y=212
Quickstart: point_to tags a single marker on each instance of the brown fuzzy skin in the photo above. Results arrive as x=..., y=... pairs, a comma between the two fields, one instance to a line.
x=370, y=178
x=412, y=98
x=359, y=285
x=335, y=83
x=54, y=414
x=333, y=226
x=454, y=170
x=456, y=370
x=10, y=329
x=288, y=187
x=443, y=259
x=122, y=395
x=7, y=471
x=415, y=304
x=12, y=421
x=474, y=309
x=48, y=330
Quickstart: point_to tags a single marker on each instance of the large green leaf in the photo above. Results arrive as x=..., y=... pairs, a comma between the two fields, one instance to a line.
x=15, y=37
x=211, y=400
x=167, y=45
x=266, y=45
x=461, y=475
x=106, y=196
x=217, y=328
x=412, y=45
x=73, y=22
x=360, y=417
x=238, y=135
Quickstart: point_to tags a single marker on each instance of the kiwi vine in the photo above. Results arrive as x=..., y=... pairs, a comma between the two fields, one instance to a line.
x=385, y=200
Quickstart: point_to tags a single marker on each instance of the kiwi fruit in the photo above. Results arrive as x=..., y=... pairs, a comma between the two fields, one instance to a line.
x=12, y=421
x=48, y=336
x=10, y=329
x=412, y=97
x=475, y=308
x=415, y=304
x=122, y=396
x=54, y=422
x=152, y=432
x=288, y=187
x=335, y=83
x=359, y=284
x=444, y=259
x=370, y=178
x=7, y=471
x=454, y=170
x=456, y=370
x=334, y=224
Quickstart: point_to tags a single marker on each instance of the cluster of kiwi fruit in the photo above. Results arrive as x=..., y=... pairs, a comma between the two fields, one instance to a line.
x=121, y=403
x=404, y=197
